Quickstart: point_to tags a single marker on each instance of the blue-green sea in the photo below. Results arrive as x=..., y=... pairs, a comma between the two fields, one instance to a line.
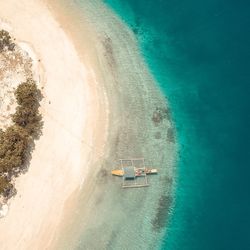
x=199, y=52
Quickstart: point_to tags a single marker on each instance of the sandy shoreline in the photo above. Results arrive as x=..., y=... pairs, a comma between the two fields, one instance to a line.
x=98, y=107
x=70, y=110
x=104, y=209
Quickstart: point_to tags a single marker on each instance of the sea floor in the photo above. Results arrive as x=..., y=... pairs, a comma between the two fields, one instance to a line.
x=140, y=125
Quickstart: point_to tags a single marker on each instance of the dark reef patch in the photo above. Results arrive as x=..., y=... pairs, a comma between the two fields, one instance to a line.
x=160, y=114
x=158, y=135
x=171, y=135
x=109, y=53
x=102, y=176
x=160, y=219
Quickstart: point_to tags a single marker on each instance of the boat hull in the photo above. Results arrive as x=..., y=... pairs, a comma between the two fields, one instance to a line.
x=117, y=172
x=138, y=172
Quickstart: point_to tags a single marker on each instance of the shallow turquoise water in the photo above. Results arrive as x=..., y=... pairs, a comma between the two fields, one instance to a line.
x=199, y=52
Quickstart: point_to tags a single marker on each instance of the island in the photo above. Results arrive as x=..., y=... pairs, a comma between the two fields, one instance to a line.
x=79, y=98
x=17, y=139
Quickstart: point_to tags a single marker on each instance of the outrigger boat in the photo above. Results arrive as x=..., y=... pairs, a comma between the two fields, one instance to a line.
x=133, y=173
x=138, y=171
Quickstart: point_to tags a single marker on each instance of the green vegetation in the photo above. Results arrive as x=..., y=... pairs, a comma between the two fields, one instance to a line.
x=6, y=41
x=6, y=188
x=16, y=141
x=27, y=115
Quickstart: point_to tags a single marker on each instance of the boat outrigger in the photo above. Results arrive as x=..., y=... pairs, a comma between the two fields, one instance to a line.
x=130, y=169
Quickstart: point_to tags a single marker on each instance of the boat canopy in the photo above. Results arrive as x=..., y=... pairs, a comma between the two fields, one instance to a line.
x=129, y=172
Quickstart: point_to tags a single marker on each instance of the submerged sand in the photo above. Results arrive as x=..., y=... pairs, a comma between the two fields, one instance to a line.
x=140, y=126
x=101, y=104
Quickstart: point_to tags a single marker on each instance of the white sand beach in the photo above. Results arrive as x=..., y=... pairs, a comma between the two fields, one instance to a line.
x=99, y=103
x=70, y=108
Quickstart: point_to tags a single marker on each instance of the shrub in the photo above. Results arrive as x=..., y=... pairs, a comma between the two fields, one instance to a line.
x=27, y=94
x=27, y=114
x=29, y=119
x=14, y=144
x=6, y=41
x=6, y=188
x=15, y=141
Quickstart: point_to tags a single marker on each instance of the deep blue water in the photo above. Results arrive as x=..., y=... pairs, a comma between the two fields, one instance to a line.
x=199, y=52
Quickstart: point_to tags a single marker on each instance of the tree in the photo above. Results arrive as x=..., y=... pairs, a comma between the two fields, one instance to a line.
x=16, y=140
x=14, y=143
x=27, y=113
x=6, y=188
x=6, y=41
x=28, y=94
x=28, y=118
